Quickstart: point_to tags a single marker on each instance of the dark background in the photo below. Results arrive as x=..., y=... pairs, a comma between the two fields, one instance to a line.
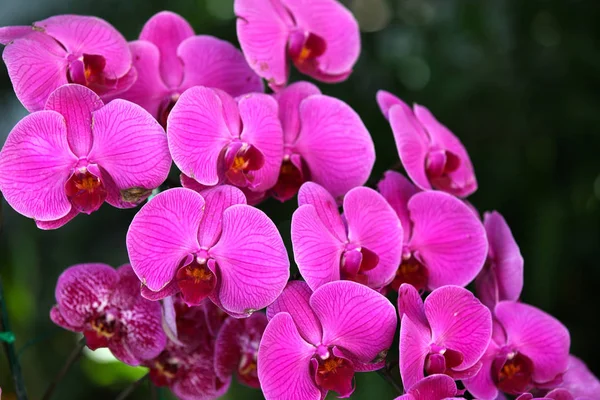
x=518, y=81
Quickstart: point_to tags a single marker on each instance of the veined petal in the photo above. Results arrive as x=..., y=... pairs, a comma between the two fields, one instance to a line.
x=398, y=190
x=217, y=200
x=355, y=318
x=386, y=101
x=9, y=34
x=326, y=207
x=294, y=300
x=482, y=385
x=162, y=233
x=57, y=223
x=209, y=61
x=253, y=263
x=35, y=163
x=447, y=237
x=167, y=31
x=335, y=144
x=579, y=380
x=434, y=387
x=289, y=100
x=411, y=304
x=283, y=362
x=415, y=339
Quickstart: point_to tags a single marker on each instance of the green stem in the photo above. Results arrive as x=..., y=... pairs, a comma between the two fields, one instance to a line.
x=73, y=357
x=131, y=388
x=385, y=374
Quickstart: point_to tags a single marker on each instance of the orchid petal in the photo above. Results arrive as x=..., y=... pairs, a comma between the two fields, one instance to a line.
x=398, y=190
x=289, y=100
x=482, y=385
x=326, y=207
x=579, y=380
x=9, y=34
x=434, y=387
x=386, y=101
x=415, y=339
x=411, y=305
x=217, y=200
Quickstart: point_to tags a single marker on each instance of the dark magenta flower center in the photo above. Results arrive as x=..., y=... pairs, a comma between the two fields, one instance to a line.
x=305, y=49
x=356, y=262
x=87, y=70
x=290, y=179
x=195, y=281
x=164, y=369
x=512, y=374
x=441, y=361
x=334, y=373
x=85, y=191
x=240, y=160
x=101, y=329
x=413, y=272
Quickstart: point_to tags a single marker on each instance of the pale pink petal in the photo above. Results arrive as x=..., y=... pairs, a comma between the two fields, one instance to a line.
x=289, y=100
x=355, y=318
x=132, y=147
x=263, y=31
x=252, y=260
x=398, y=190
x=373, y=224
x=386, y=101
x=536, y=335
x=76, y=104
x=326, y=207
x=447, y=237
x=35, y=163
x=9, y=34
x=335, y=144
x=283, y=362
x=415, y=339
x=36, y=66
x=482, y=385
x=212, y=62
x=162, y=234
x=197, y=131
x=295, y=301
x=259, y=113
x=579, y=380
x=167, y=31
x=217, y=200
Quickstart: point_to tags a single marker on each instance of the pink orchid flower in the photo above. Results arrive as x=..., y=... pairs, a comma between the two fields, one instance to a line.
x=215, y=139
x=321, y=37
x=502, y=275
x=105, y=305
x=444, y=241
x=432, y=156
x=211, y=245
x=77, y=153
x=236, y=348
x=170, y=58
x=324, y=141
x=315, y=342
x=446, y=334
x=528, y=348
x=556, y=394
x=433, y=387
x=66, y=49
x=579, y=380
x=364, y=246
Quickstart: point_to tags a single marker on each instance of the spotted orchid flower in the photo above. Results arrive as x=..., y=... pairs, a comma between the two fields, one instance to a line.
x=66, y=49
x=105, y=305
x=215, y=139
x=170, y=58
x=365, y=245
x=528, y=348
x=502, y=275
x=236, y=348
x=77, y=153
x=579, y=380
x=446, y=334
x=444, y=241
x=433, y=387
x=324, y=141
x=432, y=156
x=208, y=246
x=315, y=342
x=321, y=38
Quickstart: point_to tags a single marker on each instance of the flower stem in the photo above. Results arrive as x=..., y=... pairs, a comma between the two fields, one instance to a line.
x=385, y=374
x=73, y=357
x=131, y=388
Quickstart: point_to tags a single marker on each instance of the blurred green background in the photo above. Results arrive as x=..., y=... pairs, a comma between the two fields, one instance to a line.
x=518, y=81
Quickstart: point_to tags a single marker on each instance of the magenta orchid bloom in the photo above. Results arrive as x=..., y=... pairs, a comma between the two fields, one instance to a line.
x=236, y=348
x=321, y=37
x=211, y=246
x=77, y=153
x=432, y=156
x=216, y=139
x=556, y=394
x=364, y=246
x=502, y=275
x=324, y=141
x=105, y=305
x=529, y=348
x=444, y=241
x=315, y=342
x=66, y=49
x=579, y=380
x=170, y=58
x=446, y=334
x=433, y=387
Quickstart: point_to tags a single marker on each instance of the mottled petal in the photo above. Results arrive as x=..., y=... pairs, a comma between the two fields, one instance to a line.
x=283, y=362
x=398, y=190
x=217, y=200
x=200, y=381
x=289, y=100
x=145, y=336
x=335, y=144
x=326, y=207
x=59, y=320
x=227, y=347
x=386, y=101
x=35, y=163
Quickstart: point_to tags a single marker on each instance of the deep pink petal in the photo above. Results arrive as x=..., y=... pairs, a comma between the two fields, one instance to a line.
x=294, y=300
x=35, y=163
x=386, y=101
x=459, y=322
x=411, y=304
x=76, y=104
x=162, y=233
x=200, y=381
x=212, y=62
x=398, y=190
x=197, y=131
x=289, y=100
x=355, y=318
x=579, y=380
x=263, y=30
x=217, y=200
x=145, y=335
x=57, y=223
x=447, y=237
x=335, y=144
x=253, y=263
x=326, y=207
x=132, y=147
x=167, y=31
x=373, y=224
x=122, y=352
x=59, y=320
x=9, y=34
x=536, y=335
x=434, y=387
x=37, y=66
x=227, y=347
x=482, y=385
x=415, y=339
x=283, y=362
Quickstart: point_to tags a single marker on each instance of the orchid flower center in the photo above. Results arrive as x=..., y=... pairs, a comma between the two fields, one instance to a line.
x=196, y=281
x=241, y=159
x=249, y=355
x=289, y=181
x=356, y=262
x=165, y=109
x=441, y=360
x=333, y=373
x=512, y=374
x=413, y=272
x=85, y=191
x=164, y=369
x=101, y=329
x=304, y=49
x=87, y=70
